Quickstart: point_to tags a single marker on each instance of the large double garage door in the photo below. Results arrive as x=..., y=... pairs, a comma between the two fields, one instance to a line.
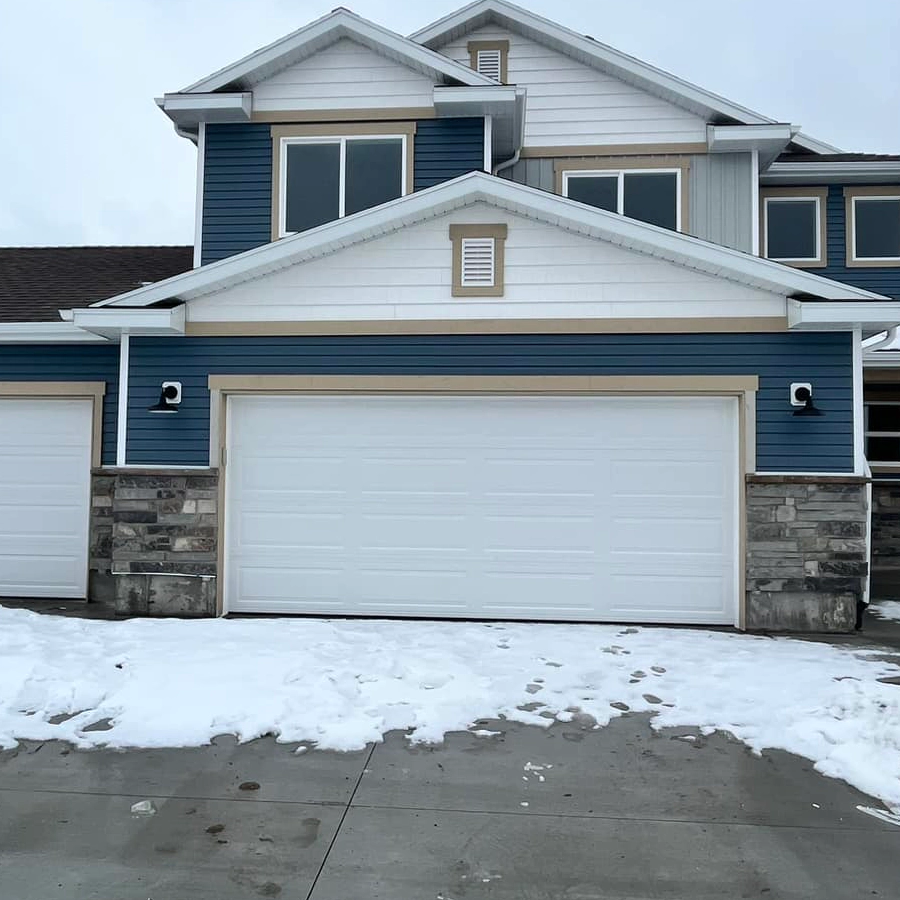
x=591, y=508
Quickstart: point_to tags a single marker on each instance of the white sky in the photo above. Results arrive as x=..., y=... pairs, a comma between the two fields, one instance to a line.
x=87, y=158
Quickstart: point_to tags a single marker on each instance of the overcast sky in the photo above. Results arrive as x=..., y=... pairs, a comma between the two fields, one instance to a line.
x=87, y=158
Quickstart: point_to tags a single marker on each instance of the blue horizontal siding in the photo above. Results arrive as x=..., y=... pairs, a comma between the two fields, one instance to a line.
x=883, y=280
x=68, y=362
x=447, y=148
x=237, y=190
x=784, y=442
x=237, y=177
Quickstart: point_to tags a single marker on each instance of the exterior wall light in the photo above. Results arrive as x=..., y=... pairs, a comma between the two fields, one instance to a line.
x=801, y=398
x=169, y=398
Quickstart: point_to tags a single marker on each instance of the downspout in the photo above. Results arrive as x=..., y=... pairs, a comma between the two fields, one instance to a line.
x=506, y=164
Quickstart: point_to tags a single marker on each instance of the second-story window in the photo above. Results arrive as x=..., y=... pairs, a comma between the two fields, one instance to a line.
x=873, y=226
x=792, y=225
x=652, y=196
x=325, y=178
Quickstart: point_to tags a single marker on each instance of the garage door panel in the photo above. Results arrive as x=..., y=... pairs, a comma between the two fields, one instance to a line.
x=506, y=507
x=45, y=460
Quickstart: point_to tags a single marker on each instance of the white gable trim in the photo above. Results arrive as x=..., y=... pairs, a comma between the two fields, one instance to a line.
x=602, y=56
x=478, y=187
x=307, y=41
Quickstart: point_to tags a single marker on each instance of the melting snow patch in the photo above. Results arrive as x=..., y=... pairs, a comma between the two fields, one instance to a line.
x=341, y=684
x=886, y=609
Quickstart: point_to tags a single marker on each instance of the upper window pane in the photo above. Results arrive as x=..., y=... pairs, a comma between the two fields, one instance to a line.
x=876, y=225
x=652, y=197
x=312, y=189
x=792, y=229
x=883, y=417
x=374, y=173
x=601, y=191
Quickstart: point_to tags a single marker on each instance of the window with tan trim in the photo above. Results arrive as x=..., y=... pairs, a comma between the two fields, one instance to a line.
x=490, y=58
x=873, y=226
x=792, y=226
x=323, y=172
x=478, y=260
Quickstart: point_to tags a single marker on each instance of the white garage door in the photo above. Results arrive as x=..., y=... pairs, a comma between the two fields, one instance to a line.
x=45, y=475
x=517, y=507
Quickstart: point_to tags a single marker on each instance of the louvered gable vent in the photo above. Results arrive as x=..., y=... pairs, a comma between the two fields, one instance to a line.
x=488, y=63
x=478, y=262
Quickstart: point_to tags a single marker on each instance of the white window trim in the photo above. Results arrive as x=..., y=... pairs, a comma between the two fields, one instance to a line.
x=341, y=140
x=568, y=174
x=818, y=259
x=869, y=260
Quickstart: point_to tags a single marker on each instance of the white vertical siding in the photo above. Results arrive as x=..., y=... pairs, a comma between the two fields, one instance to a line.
x=345, y=75
x=721, y=199
x=571, y=104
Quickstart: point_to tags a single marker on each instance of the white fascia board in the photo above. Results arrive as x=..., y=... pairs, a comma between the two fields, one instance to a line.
x=486, y=99
x=140, y=321
x=810, y=315
x=190, y=109
x=868, y=171
x=477, y=187
x=46, y=333
x=768, y=141
x=814, y=145
x=337, y=24
x=881, y=359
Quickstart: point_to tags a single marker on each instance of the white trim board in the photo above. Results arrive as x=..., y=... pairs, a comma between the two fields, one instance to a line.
x=477, y=187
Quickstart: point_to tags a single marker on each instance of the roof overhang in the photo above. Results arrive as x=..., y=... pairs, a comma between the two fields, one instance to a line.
x=590, y=52
x=110, y=323
x=872, y=317
x=505, y=104
x=881, y=359
x=767, y=140
x=46, y=333
x=478, y=187
x=859, y=172
x=188, y=110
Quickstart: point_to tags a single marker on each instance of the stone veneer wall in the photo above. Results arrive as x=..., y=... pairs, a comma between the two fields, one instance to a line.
x=806, y=551
x=886, y=540
x=153, y=541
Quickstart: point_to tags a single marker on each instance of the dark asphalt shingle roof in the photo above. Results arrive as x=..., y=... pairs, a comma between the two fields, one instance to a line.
x=36, y=282
x=837, y=157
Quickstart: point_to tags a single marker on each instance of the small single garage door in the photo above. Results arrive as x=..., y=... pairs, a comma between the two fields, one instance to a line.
x=45, y=473
x=590, y=508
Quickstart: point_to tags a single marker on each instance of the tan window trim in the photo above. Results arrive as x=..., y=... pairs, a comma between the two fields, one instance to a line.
x=626, y=163
x=324, y=130
x=800, y=193
x=65, y=390
x=503, y=46
x=891, y=192
x=457, y=234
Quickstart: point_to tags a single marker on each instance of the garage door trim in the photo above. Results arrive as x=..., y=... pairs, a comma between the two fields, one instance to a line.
x=57, y=390
x=743, y=387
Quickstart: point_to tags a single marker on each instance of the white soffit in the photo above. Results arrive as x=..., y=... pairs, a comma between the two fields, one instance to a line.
x=591, y=52
x=478, y=187
x=189, y=109
x=875, y=171
x=46, y=333
x=309, y=40
x=147, y=321
x=872, y=318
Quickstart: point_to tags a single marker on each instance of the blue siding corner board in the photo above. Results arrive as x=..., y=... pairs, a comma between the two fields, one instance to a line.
x=69, y=362
x=237, y=182
x=784, y=442
x=884, y=280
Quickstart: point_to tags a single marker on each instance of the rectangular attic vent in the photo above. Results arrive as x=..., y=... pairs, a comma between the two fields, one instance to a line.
x=488, y=62
x=477, y=262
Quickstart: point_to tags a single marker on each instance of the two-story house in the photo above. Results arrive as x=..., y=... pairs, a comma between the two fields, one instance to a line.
x=491, y=321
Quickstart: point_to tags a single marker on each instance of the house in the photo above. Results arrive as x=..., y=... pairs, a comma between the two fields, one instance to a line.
x=480, y=324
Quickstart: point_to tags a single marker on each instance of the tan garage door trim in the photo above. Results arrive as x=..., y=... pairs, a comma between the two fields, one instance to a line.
x=742, y=387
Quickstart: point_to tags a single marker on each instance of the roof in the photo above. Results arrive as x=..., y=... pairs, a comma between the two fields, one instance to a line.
x=479, y=187
x=341, y=23
x=591, y=52
x=36, y=282
x=837, y=157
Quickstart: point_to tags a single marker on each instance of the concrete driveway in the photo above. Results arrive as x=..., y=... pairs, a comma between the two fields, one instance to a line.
x=528, y=814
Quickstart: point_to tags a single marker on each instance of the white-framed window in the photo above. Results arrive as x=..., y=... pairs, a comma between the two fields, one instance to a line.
x=792, y=229
x=323, y=178
x=873, y=226
x=649, y=195
x=882, y=426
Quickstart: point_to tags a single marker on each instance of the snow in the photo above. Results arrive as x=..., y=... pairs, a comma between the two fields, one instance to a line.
x=341, y=684
x=886, y=609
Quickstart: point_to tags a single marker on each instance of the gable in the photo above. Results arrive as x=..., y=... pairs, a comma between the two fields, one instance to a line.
x=550, y=273
x=344, y=75
x=571, y=104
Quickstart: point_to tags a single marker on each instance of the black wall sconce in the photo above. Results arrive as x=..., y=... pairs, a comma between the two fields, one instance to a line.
x=169, y=398
x=801, y=398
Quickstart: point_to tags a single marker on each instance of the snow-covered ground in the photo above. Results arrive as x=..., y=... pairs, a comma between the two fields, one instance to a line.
x=886, y=609
x=340, y=684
